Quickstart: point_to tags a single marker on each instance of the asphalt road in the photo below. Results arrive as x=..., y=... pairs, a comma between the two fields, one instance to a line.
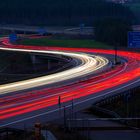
x=43, y=105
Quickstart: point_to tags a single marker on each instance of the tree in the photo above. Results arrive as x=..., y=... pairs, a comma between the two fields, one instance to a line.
x=59, y=12
x=112, y=31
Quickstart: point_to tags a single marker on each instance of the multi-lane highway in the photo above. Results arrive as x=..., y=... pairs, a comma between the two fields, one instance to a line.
x=88, y=84
x=89, y=64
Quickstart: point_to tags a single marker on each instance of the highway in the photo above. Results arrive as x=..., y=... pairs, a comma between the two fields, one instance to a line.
x=26, y=106
x=52, y=30
x=89, y=65
x=56, y=30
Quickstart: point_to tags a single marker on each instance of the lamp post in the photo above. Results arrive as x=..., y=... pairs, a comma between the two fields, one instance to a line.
x=116, y=54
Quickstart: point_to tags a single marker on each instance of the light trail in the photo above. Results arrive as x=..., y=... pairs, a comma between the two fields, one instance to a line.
x=89, y=65
x=20, y=100
x=26, y=103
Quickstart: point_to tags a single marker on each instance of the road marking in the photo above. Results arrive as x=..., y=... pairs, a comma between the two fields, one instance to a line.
x=68, y=106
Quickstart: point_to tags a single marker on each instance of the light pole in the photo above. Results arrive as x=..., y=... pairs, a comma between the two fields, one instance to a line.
x=116, y=54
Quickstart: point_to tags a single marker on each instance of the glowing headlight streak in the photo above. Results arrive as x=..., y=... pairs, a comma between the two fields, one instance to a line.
x=89, y=65
x=28, y=97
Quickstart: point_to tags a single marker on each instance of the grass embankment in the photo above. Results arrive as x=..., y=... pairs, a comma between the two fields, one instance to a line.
x=78, y=43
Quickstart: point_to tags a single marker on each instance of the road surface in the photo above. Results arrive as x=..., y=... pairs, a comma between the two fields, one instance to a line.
x=42, y=104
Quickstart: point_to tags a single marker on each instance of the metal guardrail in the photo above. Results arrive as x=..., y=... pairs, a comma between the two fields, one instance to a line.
x=104, y=119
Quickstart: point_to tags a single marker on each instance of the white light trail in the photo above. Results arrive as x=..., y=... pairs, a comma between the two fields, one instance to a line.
x=90, y=64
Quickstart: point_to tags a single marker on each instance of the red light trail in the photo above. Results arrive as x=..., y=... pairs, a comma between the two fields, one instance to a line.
x=14, y=105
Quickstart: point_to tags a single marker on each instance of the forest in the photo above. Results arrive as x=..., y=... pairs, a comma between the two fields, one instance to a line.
x=61, y=12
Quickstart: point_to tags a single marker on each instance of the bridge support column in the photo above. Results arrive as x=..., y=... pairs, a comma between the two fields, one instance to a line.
x=49, y=64
x=33, y=59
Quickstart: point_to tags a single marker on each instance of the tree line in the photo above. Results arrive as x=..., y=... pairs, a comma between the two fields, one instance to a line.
x=60, y=12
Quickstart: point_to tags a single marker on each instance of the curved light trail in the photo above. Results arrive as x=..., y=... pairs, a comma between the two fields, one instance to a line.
x=90, y=64
x=121, y=76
